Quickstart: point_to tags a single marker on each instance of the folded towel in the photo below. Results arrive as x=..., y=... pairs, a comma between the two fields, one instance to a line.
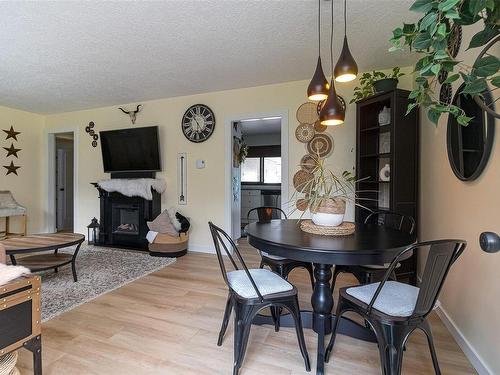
x=9, y=273
x=151, y=236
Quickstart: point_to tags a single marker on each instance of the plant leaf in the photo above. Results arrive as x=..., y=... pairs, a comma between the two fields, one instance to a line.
x=475, y=87
x=476, y=6
x=496, y=81
x=447, y=5
x=464, y=120
x=422, y=41
x=483, y=37
x=428, y=20
x=434, y=115
x=452, y=78
x=410, y=108
x=486, y=66
x=422, y=6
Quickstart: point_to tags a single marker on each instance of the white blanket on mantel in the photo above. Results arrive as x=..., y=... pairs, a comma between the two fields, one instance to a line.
x=134, y=187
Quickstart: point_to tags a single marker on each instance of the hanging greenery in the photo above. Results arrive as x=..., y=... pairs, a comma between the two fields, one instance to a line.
x=366, y=81
x=431, y=36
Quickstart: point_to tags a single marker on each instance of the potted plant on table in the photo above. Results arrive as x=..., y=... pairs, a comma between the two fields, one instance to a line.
x=325, y=193
x=375, y=82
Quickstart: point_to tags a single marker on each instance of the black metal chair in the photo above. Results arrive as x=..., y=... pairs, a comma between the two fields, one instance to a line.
x=394, y=310
x=369, y=273
x=250, y=291
x=280, y=265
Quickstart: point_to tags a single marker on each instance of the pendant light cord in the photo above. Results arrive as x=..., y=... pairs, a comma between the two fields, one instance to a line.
x=331, y=43
x=319, y=27
x=345, y=17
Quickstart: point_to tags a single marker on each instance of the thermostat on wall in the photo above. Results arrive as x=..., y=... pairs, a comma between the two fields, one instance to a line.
x=200, y=164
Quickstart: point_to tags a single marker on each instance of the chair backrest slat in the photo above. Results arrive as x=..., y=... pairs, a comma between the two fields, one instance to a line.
x=266, y=213
x=392, y=220
x=220, y=238
x=441, y=256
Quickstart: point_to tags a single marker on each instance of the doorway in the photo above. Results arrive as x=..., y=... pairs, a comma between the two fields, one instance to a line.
x=261, y=179
x=64, y=150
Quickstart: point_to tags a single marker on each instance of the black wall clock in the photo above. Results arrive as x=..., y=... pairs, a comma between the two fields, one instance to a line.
x=198, y=123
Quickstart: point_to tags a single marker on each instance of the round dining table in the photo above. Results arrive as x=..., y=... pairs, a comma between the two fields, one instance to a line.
x=369, y=244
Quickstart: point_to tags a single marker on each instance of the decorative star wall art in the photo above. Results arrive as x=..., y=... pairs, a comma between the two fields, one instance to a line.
x=11, y=168
x=11, y=133
x=12, y=150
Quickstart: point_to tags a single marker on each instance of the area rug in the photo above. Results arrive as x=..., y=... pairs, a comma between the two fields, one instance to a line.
x=100, y=270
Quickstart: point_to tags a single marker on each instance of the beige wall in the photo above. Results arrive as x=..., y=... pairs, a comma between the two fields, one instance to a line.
x=451, y=208
x=205, y=186
x=27, y=186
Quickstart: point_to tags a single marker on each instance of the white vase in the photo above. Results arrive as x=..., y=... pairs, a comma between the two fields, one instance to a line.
x=385, y=173
x=327, y=220
x=384, y=116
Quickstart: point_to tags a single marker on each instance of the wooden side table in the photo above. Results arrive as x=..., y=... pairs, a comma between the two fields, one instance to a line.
x=20, y=318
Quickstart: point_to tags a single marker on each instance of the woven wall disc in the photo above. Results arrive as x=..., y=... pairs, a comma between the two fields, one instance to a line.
x=301, y=204
x=304, y=133
x=321, y=145
x=301, y=179
x=344, y=229
x=307, y=163
x=319, y=128
x=306, y=114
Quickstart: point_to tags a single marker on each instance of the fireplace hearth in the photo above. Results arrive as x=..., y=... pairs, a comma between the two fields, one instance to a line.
x=123, y=219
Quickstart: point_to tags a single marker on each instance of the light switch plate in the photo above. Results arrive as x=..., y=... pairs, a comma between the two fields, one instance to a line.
x=200, y=164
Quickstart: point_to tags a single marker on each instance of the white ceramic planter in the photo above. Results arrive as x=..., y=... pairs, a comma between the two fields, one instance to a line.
x=327, y=220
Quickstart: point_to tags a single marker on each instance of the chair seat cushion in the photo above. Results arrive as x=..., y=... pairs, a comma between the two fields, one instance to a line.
x=270, y=256
x=380, y=267
x=268, y=283
x=395, y=299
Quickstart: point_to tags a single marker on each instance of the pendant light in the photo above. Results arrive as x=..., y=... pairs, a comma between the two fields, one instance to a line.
x=346, y=69
x=318, y=87
x=332, y=112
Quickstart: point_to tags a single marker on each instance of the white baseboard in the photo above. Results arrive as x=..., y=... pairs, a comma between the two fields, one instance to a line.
x=201, y=249
x=476, y=361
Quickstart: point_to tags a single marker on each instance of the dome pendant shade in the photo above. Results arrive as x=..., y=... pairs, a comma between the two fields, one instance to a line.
x=332, y=112
x=346, y=69
x=318, y=88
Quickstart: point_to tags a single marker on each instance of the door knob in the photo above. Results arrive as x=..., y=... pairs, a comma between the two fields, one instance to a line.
x=490, y=242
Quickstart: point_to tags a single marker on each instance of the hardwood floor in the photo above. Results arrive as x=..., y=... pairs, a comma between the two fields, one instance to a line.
x=168, y=322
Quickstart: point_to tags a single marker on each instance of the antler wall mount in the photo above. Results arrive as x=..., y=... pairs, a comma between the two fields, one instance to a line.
x=132, y=114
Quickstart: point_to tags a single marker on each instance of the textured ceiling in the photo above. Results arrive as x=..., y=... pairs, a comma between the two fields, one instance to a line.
x=62, y=56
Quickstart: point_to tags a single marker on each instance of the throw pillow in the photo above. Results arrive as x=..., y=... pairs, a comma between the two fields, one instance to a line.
x=163, y=224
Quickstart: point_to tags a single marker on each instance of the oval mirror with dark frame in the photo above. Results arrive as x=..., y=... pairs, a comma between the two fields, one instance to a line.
x=469, y=147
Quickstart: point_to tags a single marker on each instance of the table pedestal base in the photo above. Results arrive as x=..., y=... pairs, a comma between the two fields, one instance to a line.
x=347, y=326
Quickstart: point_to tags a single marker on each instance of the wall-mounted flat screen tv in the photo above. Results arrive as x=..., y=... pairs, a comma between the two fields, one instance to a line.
x=131, y=150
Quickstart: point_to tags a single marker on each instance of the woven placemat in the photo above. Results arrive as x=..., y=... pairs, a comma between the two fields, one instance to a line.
x=8, y=363
x=15, y=371
x=344, y=229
